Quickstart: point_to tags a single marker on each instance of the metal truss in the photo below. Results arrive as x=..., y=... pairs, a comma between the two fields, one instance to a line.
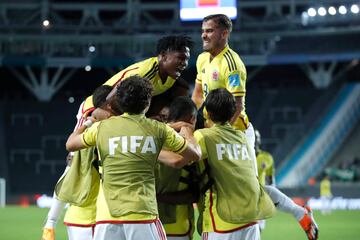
x=130, y=28
x=265, y=32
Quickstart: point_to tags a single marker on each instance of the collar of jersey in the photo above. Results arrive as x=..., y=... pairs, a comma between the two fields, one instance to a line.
x=223, y=51
x=226, y=125
x=133, y=115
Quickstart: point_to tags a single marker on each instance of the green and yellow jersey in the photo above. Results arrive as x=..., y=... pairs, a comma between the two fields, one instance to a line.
x=79, y=187
x=236, y=199
x=265, y=165
x=128, y=158
x=226, y=70
x=81, y=216
x=148, y=68
x=325, y=188
x=176, y=219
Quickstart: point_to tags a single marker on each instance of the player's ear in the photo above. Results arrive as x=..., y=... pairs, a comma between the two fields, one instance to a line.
x=225, y=34
x=162, y=56
x=193, y=120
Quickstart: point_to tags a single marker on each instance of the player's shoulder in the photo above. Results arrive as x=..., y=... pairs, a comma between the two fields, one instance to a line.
x=265, y=153
x=149, y=61
x=155, y=125
x=211, y=132
x=232, y=61
x=147, y=67
x=202, y=57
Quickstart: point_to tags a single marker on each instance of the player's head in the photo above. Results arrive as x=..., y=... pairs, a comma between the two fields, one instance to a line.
x=220, y=105
x=103, y=108
x=134, y=94
x=182, y=109
x=100, y=94
x=164, y=113
x=216, y=30
x=173, y=53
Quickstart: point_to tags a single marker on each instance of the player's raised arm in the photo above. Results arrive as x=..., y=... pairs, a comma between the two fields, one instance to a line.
x=191, y=153
x=76, y=139
x=197, y=95
x=239, y=108
x=172, y=159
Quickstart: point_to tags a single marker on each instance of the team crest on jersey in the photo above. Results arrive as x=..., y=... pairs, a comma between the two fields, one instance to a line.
x=215, y=75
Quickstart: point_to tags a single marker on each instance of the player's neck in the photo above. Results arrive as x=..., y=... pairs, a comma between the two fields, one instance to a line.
x=163, y=76
x=216, y=52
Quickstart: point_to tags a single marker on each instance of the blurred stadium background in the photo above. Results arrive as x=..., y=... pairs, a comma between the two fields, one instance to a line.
x=302, y=58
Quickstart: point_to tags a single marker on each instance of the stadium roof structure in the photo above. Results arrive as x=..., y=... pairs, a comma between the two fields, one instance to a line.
x=73, y=34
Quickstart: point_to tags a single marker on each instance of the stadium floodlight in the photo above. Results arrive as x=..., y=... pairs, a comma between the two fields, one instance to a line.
x=88, y=68
x=92, y=48
x=332, y=11
x=355, y=9
x=304, y=18
x=311, y=12
x=46, y=23
x=342, y=10
x=321, y=11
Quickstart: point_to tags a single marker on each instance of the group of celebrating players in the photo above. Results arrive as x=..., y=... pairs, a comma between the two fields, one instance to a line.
x=136, y=173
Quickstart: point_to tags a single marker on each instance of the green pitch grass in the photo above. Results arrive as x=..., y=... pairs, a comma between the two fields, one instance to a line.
x=26, y=223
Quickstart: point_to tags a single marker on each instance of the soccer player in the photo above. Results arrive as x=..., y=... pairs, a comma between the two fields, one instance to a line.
x=129, y=146
x=265, y=163
x=176, y=189
x=325, y=195
x=80, y=220
x=235, y=201
x=173, y=53
x=266, y=169
x=220, y=67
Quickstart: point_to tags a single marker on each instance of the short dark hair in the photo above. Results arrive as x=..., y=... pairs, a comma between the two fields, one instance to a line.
x=174, y=43
x=220, y=19
x=134, y=94
x=182, y=108
x=220, y=105
x=100, y=94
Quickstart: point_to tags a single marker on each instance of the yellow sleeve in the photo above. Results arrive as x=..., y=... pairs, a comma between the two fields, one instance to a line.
x=148, y=68
x=89, y=136
x=236, y=83
x=123, y=74
x=87, y=107
x=201, y=141
x=174, y=141
x=235, y=76
x=270, y=171
x=127, y=72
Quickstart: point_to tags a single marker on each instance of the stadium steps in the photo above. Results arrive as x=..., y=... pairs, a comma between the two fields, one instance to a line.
x=316, y=149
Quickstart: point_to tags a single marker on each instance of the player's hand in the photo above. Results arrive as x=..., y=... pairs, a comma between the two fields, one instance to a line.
x=309, y=225
x=100, y=114
x=186, y=131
